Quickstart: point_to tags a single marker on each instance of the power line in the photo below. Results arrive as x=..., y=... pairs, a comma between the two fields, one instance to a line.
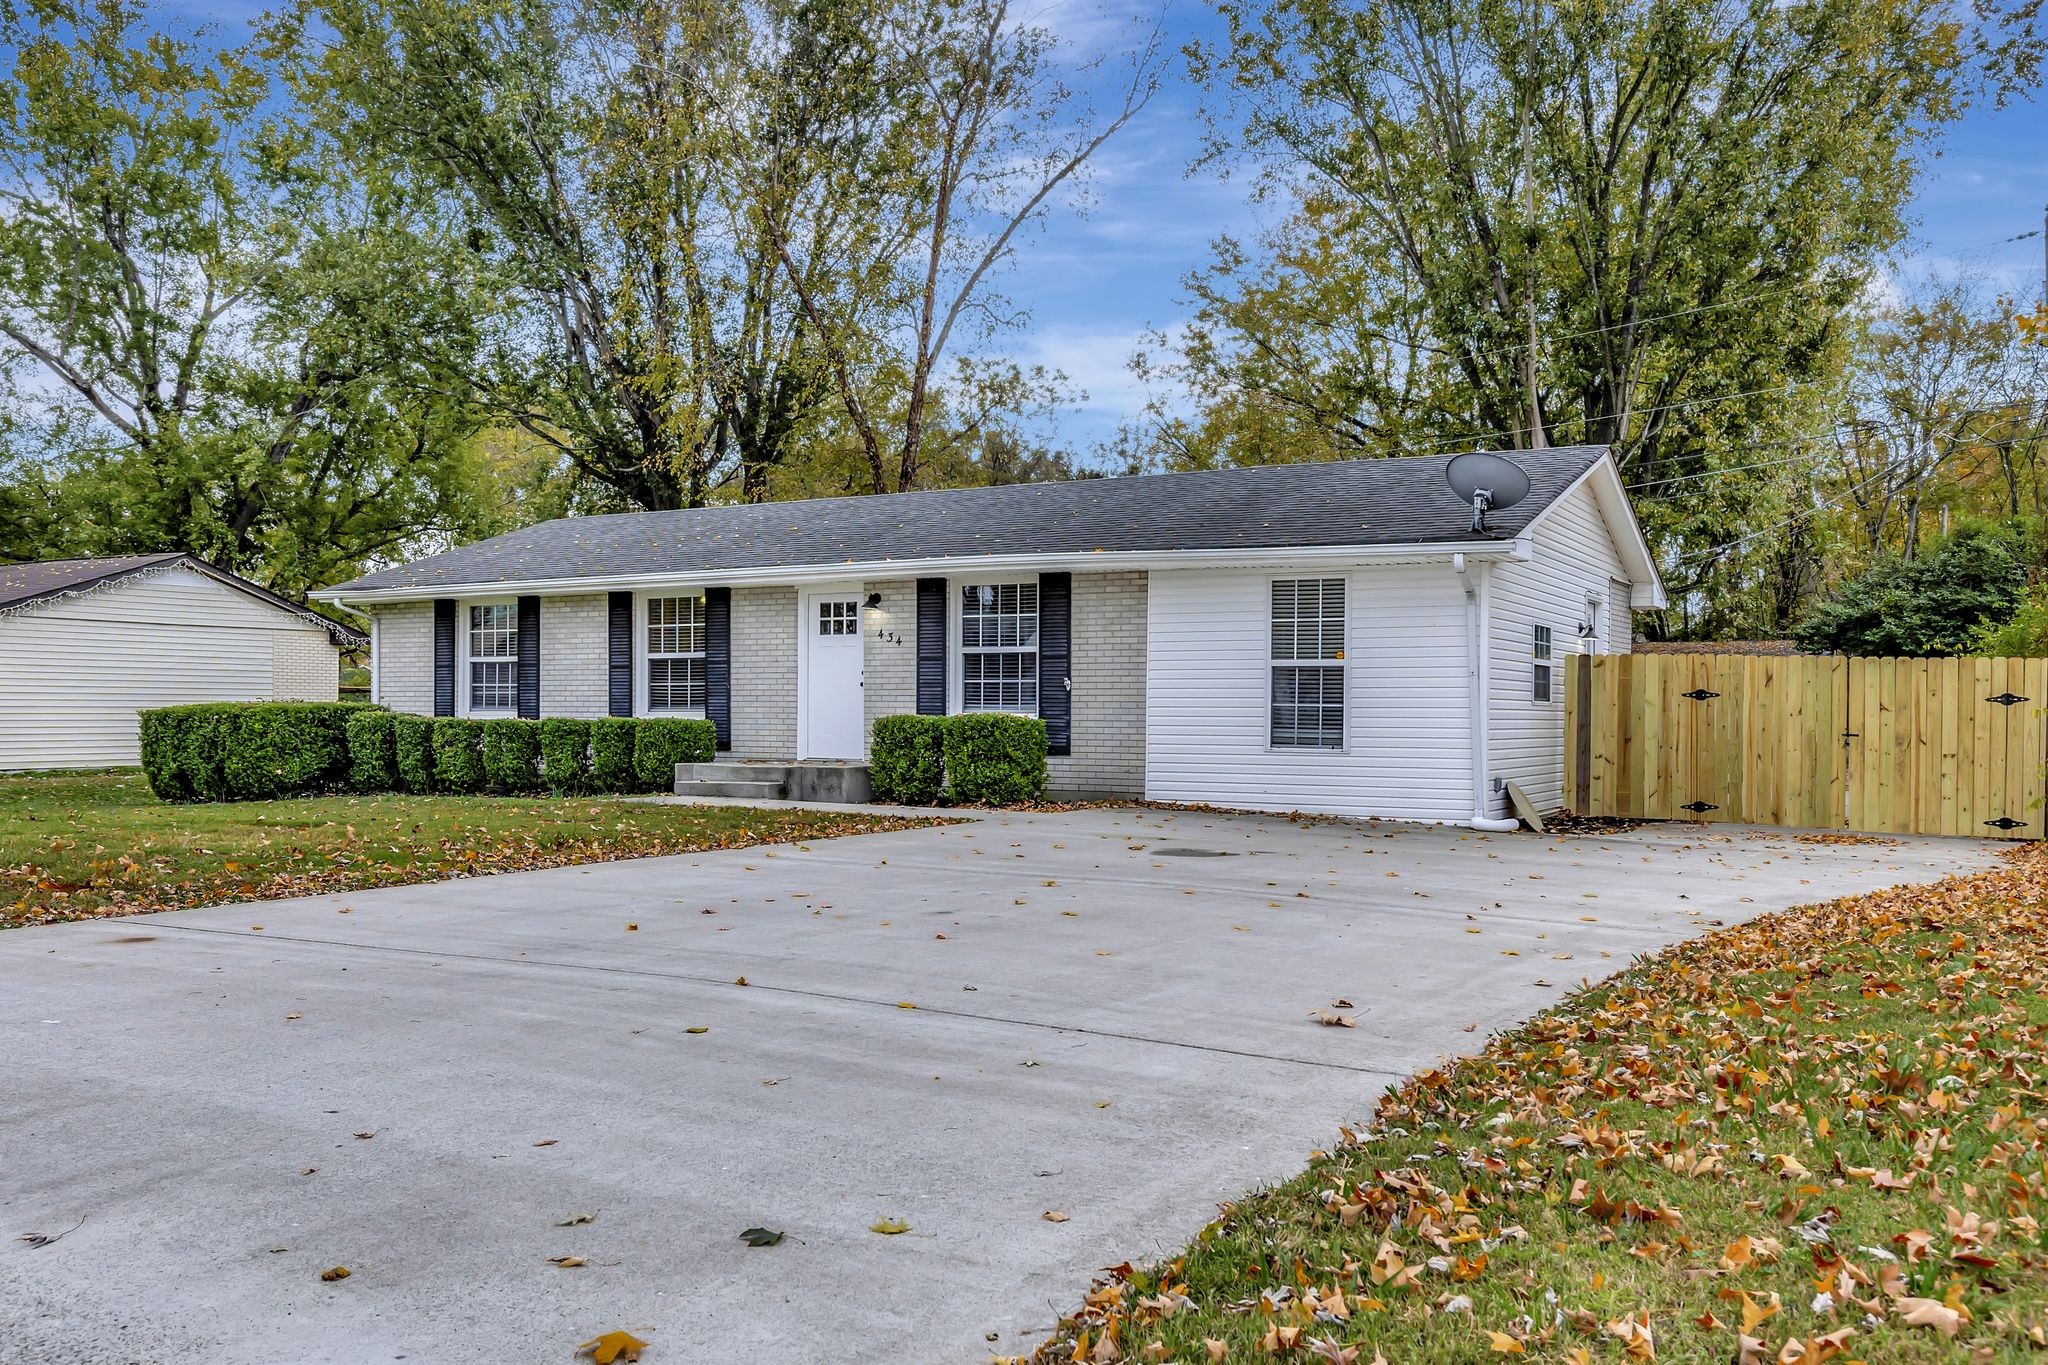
x=1441, y=442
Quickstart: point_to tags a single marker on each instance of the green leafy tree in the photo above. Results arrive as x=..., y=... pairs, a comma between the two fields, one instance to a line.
x=607, y=158
x=1941, y=602
x=1637, y=224
x=214, y=342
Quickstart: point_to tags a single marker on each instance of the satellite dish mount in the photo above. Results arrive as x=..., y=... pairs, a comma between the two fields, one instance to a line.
x=1489, y=482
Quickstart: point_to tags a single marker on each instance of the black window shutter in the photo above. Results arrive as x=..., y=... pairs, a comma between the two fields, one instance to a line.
x=1056, y=660
x=444, y=656
x=718, y=663
x=620, y=612
x=529, y=658
x=931, y=646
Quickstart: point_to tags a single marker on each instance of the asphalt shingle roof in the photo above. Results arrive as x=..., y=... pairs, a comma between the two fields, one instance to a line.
x=20, y=583
x=1353, y=502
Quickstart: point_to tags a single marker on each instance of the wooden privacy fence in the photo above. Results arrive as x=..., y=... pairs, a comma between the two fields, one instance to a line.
x=1892, y=746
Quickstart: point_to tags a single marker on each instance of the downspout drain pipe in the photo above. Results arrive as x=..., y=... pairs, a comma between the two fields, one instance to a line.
x=1475, y=639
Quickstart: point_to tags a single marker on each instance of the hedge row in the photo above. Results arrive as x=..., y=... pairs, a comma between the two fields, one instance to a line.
x=247, y=751
x=973, y=760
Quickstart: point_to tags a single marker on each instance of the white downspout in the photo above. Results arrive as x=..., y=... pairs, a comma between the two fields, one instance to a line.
x=1475, y=659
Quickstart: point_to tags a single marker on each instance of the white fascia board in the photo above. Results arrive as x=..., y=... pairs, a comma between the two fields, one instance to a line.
x=1646, y=591
x=1091, y=562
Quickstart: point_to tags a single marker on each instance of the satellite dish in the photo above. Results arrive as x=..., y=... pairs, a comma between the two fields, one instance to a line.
x=1488, y=482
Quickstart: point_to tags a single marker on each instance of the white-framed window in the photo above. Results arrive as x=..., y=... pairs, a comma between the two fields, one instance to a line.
x=999, y=647
x=673, y=658
x=1307, y=704
x=1539, y=647
x=492, y=642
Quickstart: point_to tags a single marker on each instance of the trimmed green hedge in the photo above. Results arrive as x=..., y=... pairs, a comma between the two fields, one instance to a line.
x=983, y=759
x=458, y=755
x=909, y=760
x=413, y=743
x=565, y=755
x=663, y=742
x=246, y=751
x=611, y=754
x=995, y=760
x=512, y=756
x=372, y=750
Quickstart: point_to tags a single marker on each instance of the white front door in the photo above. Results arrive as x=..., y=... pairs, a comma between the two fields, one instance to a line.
x=834, y=714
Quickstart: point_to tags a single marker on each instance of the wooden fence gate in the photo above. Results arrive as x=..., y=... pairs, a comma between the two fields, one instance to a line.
x=1892, y=746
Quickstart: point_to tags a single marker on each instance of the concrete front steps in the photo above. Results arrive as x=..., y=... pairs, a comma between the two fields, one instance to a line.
x=761, y=780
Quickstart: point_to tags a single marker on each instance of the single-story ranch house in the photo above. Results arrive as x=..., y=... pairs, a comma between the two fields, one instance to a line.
x=85, y=644
x=1330, y=637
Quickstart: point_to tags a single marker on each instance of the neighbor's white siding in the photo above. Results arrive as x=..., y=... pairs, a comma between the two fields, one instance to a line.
x=1407, y=698
x=74, y=671
x=1574, y=555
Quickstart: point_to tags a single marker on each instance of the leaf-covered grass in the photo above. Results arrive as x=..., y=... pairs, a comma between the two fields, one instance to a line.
x=87, y=845
x=1817, y=1136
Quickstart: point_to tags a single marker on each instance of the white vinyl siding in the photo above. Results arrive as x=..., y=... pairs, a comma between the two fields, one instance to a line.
x=74, y=671
x=1574, y=556
x=1406, y=698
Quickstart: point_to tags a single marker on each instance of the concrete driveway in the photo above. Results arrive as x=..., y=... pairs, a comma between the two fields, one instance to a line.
x=421, y=1083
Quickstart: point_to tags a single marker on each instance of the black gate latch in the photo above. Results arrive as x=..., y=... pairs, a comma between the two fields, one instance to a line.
x=2006, y=699
x=1701, y=694
x=1699, y=807
x=2005, y=822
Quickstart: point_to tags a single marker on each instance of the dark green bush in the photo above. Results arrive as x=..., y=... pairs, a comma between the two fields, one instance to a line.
x=511, y=755
x=909, y=760
x=994, y=760
x=412, y=743
x=372, y=750
x=246, y=751
x=183, y=748
x=611, y=753
x=565, y=755
x=1939, y=602
x=458, y=755
x=665, y=741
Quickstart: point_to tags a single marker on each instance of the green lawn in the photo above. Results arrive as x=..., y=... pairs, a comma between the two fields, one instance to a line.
x=80, y=846
x=1816, y=1137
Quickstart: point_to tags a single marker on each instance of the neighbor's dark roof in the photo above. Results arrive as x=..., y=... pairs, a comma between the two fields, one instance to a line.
x=23, y=584
x=1352, y=502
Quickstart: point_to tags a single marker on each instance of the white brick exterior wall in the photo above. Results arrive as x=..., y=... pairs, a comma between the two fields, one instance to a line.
x=890, y=682
x=575, y=657
x=404, y=661
x=1108, y=758
x=304, y=666
x=764, y=673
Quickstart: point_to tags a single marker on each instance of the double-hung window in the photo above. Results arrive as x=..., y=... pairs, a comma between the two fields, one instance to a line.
x=675, y=654
x=999, y=647
x=493, y=657
x=1308, y=663
x=1539, y=648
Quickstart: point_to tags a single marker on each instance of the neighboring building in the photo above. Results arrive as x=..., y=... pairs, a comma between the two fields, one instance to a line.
x=1320, y=637
x=87, y=643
